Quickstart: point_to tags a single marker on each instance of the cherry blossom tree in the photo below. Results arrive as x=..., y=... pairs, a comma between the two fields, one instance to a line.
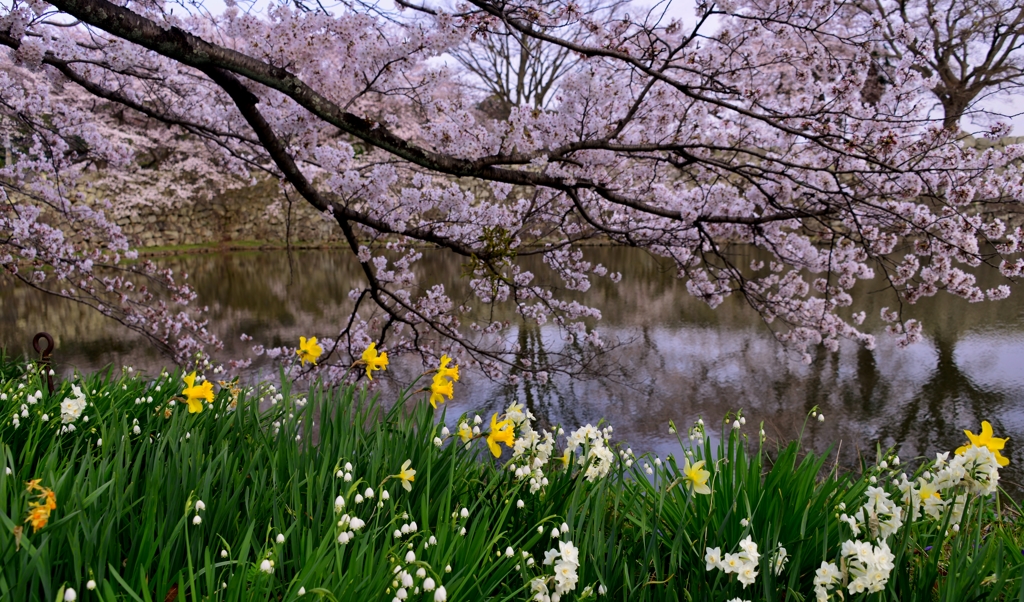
x=674, y=139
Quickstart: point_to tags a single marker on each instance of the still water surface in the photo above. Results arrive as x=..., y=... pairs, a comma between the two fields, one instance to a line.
x=683, y=360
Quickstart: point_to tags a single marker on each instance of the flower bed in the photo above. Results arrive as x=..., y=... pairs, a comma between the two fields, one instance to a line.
x=121, y=487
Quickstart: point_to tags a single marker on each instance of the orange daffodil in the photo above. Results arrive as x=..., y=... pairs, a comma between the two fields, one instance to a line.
x=196, y=394
x=308, y=350
x=986, y=440
x=502, y=431
x=441, y=386
x=39, y=511
x=373, y=360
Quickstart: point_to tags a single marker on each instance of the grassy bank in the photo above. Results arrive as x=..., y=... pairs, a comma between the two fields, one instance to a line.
x=315, y=498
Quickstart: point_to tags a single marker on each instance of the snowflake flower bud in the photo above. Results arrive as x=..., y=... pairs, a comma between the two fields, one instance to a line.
x=197, y=520
x=280, y=538
x=90, y=585
x=428, y=585
x=200, y=505
x=70, y=595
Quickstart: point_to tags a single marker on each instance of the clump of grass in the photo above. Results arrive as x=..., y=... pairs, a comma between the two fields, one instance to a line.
x=269, y=495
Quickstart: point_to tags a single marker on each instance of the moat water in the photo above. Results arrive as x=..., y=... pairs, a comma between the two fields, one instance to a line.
x=678, y=359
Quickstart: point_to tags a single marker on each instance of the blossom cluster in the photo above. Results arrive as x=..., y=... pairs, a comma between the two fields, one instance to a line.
x=565, y=561
x=743, y=564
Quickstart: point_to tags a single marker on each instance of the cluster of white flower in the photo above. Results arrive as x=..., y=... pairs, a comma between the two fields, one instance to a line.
x=825, y=578
x=412, y=578
x=347, y=525
x=456, y=515
x=977, y=466
x=200, y=506
x=406, y=528
x=598, y=457
x=880, y=516
x=531, y=450
x=868, y=566
x=31, y=400
x=566, y=561
x=743, y=563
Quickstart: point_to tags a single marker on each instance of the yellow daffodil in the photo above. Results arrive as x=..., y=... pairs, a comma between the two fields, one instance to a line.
x=444, y=371
x=696, y=477
x=929, y=490
x=407, y=475
x=501, y=432
x=374, y=361
x=465, y=433
x=195, y=394
x=309, y=351
x=985, y=439
x=439, y=388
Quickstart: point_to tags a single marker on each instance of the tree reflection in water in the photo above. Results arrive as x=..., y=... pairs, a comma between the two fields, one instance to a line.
x=678, y=359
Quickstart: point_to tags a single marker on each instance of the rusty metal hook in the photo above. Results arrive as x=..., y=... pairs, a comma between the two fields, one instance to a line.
x=44, y=356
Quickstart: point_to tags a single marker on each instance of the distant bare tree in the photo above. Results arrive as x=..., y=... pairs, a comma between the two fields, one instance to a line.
x=974, y=47
x=517, y=69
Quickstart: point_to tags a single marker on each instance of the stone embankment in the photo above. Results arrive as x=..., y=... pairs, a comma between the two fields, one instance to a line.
x=252, y=213
x=259, y=213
